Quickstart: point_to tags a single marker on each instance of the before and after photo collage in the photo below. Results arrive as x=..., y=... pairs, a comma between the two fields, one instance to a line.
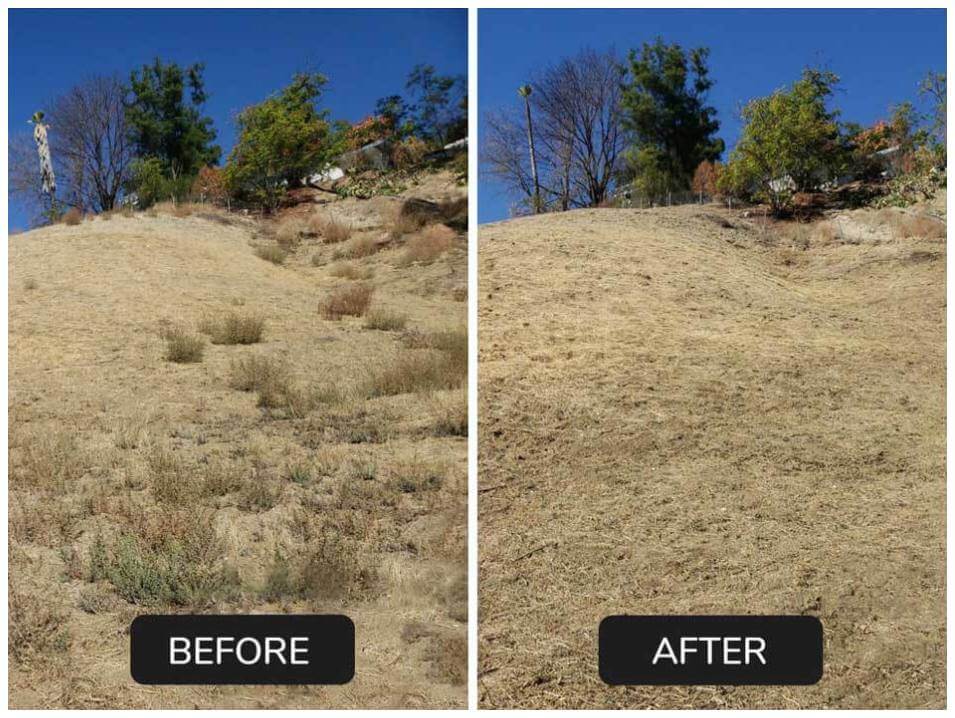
x=476, y=358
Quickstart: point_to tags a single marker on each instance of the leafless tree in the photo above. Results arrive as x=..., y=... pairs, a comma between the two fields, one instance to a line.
x=89, y=146
x=578, y=135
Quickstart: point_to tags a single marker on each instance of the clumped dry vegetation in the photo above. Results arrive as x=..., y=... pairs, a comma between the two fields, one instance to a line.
x=236, y=460
x=233, y=328
x=684, y=412
x=348, y=301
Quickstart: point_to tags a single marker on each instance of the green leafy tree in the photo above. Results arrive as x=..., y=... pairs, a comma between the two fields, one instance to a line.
x=664, y=109
x=281, y=140
x=164, y=115
x=791, y=142
x=395, y=110
x=934, y=88
x=439, y=110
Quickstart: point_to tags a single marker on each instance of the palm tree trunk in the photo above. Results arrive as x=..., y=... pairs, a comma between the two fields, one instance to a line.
x=530, y=144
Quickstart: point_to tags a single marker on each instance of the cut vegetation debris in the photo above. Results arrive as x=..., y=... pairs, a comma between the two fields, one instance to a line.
x=678, y=417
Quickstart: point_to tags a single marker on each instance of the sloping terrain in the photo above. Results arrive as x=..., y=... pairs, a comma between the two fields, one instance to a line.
x=683, y=412
x=141, y=485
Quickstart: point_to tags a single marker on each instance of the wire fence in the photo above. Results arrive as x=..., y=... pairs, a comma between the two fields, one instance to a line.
x=637, y=200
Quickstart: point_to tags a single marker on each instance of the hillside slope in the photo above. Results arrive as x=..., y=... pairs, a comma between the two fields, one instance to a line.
x=127, y=470
x=679, y=417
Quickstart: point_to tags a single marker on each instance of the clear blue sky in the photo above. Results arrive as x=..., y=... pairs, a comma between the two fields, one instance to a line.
x=880, y=55
x=248, y=54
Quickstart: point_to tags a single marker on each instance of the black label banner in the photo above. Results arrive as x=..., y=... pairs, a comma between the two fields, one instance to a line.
x=710, y=650
x=256, y=649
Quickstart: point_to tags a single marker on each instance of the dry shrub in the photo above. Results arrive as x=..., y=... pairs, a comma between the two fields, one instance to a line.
x=233, y=328
x=37, y=627
x=409, y=475
x=352, y=300
x=427, y=246
x=259, y=494
x=48, y=461
x=274, y=383
x=408, y=153
x=909, y=226
x=385, y=320
x=405, y=224
x=271, y=253
x=454, y=213
x=72, y=217
x=171, y=480
x=413, y=371
x=106, y=216
x=183, y=347
x=348, y=270
x=171, y=556
x=448, y=655
x=825, y=233
x=460, y=293
x=289, y=232
x=451, y=415
x=185, y=209
x=417, y=213
x=357, y=248
x=331, y=567
x=254, y=372
x=331, y=229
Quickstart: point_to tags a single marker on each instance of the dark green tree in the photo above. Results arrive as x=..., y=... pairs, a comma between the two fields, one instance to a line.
x=164, y=115
x=664, y=110
x=394, y=109
x=439, y=107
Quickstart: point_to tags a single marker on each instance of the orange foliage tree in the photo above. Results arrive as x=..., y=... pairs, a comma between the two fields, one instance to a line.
x=705, y=178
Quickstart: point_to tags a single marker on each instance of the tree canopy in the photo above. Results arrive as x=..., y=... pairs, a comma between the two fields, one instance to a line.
x=281, y=139
x=791, y=141
x=165, y=120
x=671, y=127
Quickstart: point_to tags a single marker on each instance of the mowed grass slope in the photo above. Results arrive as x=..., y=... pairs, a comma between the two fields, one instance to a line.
x=189, y=433
x=682, y=413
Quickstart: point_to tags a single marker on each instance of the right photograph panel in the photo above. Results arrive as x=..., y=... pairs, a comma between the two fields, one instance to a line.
x=712, y=307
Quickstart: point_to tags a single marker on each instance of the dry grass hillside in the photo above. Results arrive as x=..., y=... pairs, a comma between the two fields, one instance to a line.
x=685, y=411
x=211, y=414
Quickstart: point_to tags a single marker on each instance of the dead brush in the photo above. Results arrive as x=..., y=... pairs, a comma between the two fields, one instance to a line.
x=168, y=556
x=331, y=229
x=349, y=270
x=352, y=300
x=908, y=226
x=385, y=320
x=72, y=217
x=49, y=461
x=357, y=248
x=413, y=371
x=37, y=627
x=825, y=233
x=171, y=481
x=255, y=372
x=428, y=245
x=182, y=347
x=451, y=414
x=271, y=253
x=233, y=328
x=288, y=234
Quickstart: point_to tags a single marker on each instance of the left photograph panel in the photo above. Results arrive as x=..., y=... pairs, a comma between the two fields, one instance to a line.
x=237, y=403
